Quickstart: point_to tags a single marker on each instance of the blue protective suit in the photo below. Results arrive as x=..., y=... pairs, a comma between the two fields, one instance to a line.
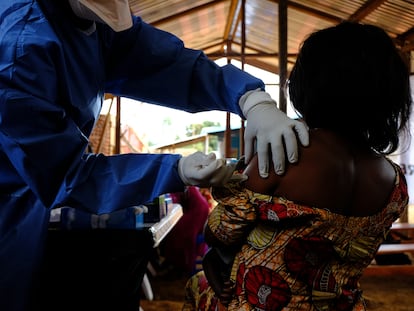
x=54, y=71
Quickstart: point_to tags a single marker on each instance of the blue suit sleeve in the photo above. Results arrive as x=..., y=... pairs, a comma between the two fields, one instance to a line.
x=46, y=149
x=151, y=65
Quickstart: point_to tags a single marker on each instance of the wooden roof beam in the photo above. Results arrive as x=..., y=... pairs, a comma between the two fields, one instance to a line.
x=248, y=55
x=230, y=20
x=406, y=36
x=366, y=9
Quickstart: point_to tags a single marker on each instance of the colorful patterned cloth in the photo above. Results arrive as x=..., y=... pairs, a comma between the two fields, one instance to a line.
x=296, y=257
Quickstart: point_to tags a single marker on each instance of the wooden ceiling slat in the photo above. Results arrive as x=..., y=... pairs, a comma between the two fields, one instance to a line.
x=187, y=12
x=311, y=11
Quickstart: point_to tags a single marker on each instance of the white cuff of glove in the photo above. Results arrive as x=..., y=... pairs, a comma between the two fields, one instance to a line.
x=252, y=98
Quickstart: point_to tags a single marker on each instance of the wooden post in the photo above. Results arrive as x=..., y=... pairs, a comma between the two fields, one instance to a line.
x=282, y=53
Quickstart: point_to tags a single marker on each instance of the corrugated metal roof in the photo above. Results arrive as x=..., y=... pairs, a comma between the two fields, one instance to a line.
x=216, y=26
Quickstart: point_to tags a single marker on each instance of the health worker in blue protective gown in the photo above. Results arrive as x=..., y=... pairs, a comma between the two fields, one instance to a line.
x=57, y=60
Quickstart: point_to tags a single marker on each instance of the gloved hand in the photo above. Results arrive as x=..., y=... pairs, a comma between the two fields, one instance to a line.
x=269, y=125
x=199, y=169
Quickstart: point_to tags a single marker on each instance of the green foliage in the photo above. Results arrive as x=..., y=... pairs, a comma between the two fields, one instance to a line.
x=195, y=129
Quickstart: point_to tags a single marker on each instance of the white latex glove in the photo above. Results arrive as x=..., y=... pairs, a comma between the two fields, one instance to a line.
x=270, y=126
x=199, y=169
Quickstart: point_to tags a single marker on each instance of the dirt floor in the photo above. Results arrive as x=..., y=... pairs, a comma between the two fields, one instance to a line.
x=385, y=288
x=389, y=288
